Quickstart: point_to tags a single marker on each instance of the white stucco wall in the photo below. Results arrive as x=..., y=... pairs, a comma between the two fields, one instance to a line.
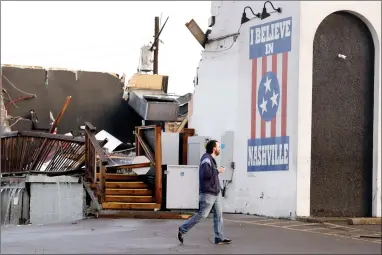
x=222, y=102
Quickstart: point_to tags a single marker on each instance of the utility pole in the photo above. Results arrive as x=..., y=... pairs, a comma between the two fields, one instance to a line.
x=156, y=45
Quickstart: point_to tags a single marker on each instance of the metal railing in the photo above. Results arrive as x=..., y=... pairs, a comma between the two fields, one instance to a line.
x=29, y=152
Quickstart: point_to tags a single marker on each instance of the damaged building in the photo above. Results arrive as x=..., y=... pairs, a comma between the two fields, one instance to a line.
x=292, y=95
x=96, y=156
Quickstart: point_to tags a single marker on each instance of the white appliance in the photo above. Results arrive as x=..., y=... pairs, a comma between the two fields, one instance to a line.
x=182, y=187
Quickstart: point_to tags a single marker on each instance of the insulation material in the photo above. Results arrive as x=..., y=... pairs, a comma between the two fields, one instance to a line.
x=112, y=142
x=147, y=81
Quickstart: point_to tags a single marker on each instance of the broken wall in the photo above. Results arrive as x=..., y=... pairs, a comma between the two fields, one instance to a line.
x=56, y=199
x=96, y=97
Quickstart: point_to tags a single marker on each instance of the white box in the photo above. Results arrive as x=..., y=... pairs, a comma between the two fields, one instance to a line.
x=182, y=187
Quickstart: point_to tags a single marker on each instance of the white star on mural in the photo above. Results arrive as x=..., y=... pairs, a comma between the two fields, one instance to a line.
x=267, y=85
x=274, y=99
x=263, y=106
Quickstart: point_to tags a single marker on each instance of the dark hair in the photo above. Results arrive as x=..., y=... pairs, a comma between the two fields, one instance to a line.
x=210, y=146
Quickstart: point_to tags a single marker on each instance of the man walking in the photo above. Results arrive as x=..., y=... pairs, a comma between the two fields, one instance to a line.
x=210, y=195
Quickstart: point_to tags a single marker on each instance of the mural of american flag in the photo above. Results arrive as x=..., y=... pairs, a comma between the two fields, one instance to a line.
x=268, y=146
x=269, y=119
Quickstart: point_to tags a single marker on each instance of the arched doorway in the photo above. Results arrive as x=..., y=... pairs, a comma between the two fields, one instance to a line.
x=342, y=118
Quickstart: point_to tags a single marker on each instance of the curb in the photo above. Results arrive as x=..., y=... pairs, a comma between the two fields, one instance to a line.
x=322, y=219
x=350, y=221
x=106, y=214
x=365, y=221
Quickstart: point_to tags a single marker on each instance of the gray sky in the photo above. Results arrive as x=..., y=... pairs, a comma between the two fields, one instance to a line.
x=103, y=36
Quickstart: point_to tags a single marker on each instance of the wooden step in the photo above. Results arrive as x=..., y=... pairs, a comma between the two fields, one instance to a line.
x=137, y=214
x=119, y=177
x=129, y=199
x=125, y=185
x=130, y=206
x=136, y=192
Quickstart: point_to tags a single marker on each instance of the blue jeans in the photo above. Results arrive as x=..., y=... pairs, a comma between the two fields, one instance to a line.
x=207, y=202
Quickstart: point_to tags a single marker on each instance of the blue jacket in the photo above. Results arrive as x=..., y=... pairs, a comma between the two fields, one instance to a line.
x=208, y=175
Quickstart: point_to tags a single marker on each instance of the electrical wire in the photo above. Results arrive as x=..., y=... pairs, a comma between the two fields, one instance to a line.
x=233, y=43
x=17, y=120
x=237, y=34
x=26, y=93
x=16, y=100
x=9, y=96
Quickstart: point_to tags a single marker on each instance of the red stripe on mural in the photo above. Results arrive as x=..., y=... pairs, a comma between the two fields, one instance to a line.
x=273, y=121
x=284, y=94
x=263, y=71
x=254, y=101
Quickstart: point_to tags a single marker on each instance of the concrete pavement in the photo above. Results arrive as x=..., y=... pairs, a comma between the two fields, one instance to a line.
x=251, y=235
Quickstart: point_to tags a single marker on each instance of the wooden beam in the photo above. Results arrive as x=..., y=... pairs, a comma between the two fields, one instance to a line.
x=183, y=124
x=144, y=215
x=140, y=165
x=126, y=185
x=119, y=177
x=138, y=147
x=158, y=164
x=130, y=206
x=186, y=133
x=129, y=192
x=63, y=110
x=129, y=199
x=197, y=32
x=101, y=181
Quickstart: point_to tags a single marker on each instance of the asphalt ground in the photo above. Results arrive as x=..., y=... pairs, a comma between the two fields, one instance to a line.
x=250, y=235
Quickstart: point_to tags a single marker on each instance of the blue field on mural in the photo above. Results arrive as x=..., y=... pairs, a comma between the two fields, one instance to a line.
x=270, y=38
x=268, y=154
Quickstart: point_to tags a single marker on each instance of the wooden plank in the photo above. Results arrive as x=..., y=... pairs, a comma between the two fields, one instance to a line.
x=183, y=124
x=101, y=182
x=59, y=116
x=130, y=206
x=140, y=165
x=129, y=199
x=116, y=214
x=119, y=177
x=158, y=164
x=125, y=185
x=138, y=148
x=187, y=132
x=121, y=192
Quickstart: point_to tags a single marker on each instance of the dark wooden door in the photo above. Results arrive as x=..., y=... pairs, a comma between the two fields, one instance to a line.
x=342, y=118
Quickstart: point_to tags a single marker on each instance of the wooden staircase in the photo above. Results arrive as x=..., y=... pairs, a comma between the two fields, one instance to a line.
x=126, y=192
x=111, y=190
